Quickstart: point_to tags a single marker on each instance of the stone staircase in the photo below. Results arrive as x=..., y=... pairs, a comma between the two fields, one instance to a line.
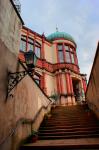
x=70, y=127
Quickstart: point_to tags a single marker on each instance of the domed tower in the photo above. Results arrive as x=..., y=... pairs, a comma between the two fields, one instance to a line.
x=71, y=85
x=57, y=70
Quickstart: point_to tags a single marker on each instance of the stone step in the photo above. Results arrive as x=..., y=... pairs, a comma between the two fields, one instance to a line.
x=69, y=129
x=64, y=144
x=58, y=126
x=70, y=121
x=48, y=137
x=68, y=133
x=69, y=124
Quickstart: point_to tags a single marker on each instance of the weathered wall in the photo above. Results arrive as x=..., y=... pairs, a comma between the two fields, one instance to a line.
x=26, y=98
x=10, y=26
x=24, y=101
x=92, y=93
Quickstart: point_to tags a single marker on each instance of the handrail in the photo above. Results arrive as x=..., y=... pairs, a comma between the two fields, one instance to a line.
x=23, y=121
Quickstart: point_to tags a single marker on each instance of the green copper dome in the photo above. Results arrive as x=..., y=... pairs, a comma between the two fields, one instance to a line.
x=57, y=35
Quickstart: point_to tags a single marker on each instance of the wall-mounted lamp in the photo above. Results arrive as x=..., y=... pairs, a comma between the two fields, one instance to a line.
x=16, y=77
x=30, y=59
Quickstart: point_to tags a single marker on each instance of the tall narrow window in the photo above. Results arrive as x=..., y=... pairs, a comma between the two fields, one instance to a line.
x=60, y=53
x=69, y=53
x=66, y=48
x=30, y=44
x=72, y=58
x=23, y=44
x=30, y=47
x=37, y=51
x=68, y=60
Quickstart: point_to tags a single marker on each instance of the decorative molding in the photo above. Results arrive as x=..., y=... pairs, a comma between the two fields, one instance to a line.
x=43, y=64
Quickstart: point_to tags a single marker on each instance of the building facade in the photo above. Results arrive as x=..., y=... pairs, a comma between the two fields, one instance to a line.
x=57, y=70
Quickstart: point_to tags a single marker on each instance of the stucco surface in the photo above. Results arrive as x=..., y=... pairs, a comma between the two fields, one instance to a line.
x=92, y=94
x=24, y=100
x=10, y=26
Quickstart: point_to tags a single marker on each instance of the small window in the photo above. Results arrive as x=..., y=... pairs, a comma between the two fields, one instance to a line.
x=61, y=58
x=30, y=41
x=68, y=57
x=72, y=58
x=66, y=48
x=30, y=47
x=60, y=53
x=23, y=46
x=37, y=51
x=23, y=37
x=60, y=47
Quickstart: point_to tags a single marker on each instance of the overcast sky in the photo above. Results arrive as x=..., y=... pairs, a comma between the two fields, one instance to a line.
x=79, y=18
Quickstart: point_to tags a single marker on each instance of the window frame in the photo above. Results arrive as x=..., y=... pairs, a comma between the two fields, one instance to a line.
x=60, y=50
x=23, y=40
x=35, y=44
x=71, y=53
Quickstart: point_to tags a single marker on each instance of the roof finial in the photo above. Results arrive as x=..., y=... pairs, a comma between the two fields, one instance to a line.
x=56, y=29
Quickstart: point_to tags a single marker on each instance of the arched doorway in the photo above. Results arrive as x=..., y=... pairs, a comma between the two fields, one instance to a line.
x=77, y=89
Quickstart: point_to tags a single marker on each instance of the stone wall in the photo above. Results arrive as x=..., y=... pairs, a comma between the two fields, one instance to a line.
x=10, y=25
x=92, y=93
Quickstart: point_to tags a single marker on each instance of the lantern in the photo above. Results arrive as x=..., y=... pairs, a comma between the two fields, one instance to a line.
x=30, y=59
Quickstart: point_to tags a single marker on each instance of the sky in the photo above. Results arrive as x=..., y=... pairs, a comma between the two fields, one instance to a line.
x=79, y=18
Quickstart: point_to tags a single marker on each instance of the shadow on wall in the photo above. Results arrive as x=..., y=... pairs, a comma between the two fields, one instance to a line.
x=8, y=63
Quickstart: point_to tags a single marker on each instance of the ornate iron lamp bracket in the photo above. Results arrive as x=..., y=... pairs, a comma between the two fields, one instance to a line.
x=15, y=78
